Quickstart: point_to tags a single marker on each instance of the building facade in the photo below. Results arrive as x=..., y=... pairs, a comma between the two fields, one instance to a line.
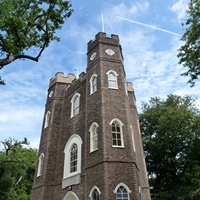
x=91, y=146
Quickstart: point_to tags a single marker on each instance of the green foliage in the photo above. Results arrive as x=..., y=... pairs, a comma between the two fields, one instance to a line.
x=29, y=24
x=189, y=53
x=17, y=168
x=171, y=137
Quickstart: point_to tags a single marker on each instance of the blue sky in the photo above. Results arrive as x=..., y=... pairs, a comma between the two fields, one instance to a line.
x=150, y=59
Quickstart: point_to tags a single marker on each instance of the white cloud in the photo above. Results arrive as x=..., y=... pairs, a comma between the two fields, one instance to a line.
x=180, y=8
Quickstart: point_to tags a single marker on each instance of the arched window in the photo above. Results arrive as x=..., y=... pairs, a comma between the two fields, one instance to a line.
x=73, y=158
x=117, y=136
x=47, y=119
x=75, y=104
x=94, y=136
x=122, y=192
x=95, y=193
x=71, y=196
x=93, y=83
x=112, y=79
x=40, y=164
x=72, y=161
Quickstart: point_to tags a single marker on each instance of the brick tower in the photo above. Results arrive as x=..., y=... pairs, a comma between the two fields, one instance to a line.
x=90, y=146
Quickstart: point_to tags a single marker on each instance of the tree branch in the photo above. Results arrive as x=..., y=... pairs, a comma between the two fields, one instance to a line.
x=12, y=58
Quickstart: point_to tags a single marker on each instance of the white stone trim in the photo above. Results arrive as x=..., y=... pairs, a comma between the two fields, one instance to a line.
x=71, y=196
x=47, y=119
x=74, y=139
x=125, y=186
x=72, y=104
x=40, y=164
x=118, y=120
x=116, y=75
x=91, y=191
x=91, y=136
x=91, y=86
x=121, y=131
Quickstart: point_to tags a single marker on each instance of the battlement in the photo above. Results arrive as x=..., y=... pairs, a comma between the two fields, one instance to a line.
x=62, y=78
x=102, y=37
x=130, y=87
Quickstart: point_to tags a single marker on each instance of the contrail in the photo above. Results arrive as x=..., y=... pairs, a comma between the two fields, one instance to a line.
x=160, y=29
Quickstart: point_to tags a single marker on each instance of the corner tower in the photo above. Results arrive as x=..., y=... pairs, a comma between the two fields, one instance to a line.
x=93, y=149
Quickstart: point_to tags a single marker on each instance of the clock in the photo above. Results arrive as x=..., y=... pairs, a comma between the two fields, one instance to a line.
x=92, y=57
x=110, y=52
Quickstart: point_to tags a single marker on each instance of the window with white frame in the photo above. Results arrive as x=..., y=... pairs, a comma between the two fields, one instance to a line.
x=75, y=104
x=47, y=119
x=93, y=136
x=117, y=135
x=95, y=193
x=122, y=192
x=93, y=83
x=112, y=79
x=40, y=164
x=72, y=159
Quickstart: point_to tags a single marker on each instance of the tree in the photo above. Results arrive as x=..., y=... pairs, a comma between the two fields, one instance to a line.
x=17, y=168
x=189, y=53
x=29, y=24
x=171, y=137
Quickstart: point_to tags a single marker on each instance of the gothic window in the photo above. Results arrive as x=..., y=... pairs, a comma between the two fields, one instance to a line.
x=95, y=193
x=73, y=158
x=71, y=196
x=75, y=104
x=117, y=136
x=47, y=119
x=112, y=79
x=93, y=84
x=122, y=192
x=93, y=137
x=40, y=164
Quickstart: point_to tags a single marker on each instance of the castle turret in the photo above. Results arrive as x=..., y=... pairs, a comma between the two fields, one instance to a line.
x=91, y=143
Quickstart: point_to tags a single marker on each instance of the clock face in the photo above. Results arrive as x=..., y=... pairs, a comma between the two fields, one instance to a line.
x=110, y=52
x=93, y=56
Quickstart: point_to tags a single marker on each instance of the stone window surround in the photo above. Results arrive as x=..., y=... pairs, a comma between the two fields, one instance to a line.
x=92, y=190
x=92, y=90
x=47, y=119
x=121, y=132
x=74, y=177
x=125, y=187
x=91, y=130
x=112, y=80
x=70, y=195
x=74, y=98
x=40, y=165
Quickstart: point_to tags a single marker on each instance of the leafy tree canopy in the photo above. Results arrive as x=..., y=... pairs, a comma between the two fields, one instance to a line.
x=17, y=168
x=171, y=137
x=29, y=24
x=189, y=53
